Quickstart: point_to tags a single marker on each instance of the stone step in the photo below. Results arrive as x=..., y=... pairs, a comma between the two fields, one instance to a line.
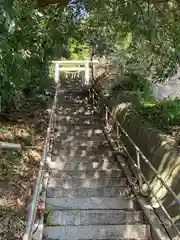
x=70, y=89
x=78, y=121
x=69, y=183
x=77, y=112
x=78, y=118
x=70, y=98
x=79, y=91
x=87, y=173
x=69, y=141
x=81, y=137
x=90, y=203
x=71, y=150
x=78, y=130
x=84, y=159
x=114, y=238
x=61, y=125
x=113, y=191
x=74, y=102
x=71, y=154
x=74, y=107
x=94, y=217
x=83, y=166
x=64, y=103
x=128, y=231
x=82, y=151
x=64, y=144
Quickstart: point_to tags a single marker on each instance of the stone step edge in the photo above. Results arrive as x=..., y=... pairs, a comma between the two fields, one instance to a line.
x=54, y=165
x=121, y=181
x=117, y=191
x=78, y=217
x=86, y=203
x=55, y=173
x=139, y=231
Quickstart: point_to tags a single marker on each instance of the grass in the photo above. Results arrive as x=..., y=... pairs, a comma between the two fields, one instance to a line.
x=47, y=214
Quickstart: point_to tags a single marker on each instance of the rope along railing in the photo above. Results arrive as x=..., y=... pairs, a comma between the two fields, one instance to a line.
x=33, y=205
x=98, y=102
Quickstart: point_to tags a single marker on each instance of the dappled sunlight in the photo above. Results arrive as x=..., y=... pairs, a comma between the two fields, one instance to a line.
x=83, y=166
x=67, y=183
x=105, y=192
x=78, y=120
x=162, y=149
x=75, y=130
x=90, y=173
x=169, y=171
x=84, y=175
x=19, y=166
x=67, y=111
x=80, y=156
x=79, y=146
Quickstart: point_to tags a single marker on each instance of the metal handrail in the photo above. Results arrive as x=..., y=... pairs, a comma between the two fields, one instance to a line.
x=33, y=205
x=140, y=153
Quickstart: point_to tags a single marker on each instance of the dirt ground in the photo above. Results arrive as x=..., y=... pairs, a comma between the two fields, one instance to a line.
x=18, y=168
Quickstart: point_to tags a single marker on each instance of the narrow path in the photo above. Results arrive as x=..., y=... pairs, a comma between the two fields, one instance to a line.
x=86, y=186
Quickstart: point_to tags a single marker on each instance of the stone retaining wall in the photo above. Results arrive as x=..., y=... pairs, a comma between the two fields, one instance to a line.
x=162, y=150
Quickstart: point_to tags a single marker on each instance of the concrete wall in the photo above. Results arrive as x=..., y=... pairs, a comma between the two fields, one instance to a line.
x=162, y=150
x=170, y=89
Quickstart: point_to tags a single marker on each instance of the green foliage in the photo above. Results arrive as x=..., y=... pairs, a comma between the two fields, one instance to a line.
x=47, y=214
x=163, y=114
x=135, y=84
x=144, y=37
x=30, y=38
x=77, y=51
x=142, y=87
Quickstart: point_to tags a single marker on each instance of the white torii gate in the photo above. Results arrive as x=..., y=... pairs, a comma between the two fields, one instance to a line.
x=59, y=67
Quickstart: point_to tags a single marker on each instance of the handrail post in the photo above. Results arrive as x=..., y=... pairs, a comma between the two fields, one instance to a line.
x=139, y=168
x=106, y=118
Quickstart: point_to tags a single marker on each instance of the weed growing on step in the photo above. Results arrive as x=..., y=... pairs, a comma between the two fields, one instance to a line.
x=47, y=214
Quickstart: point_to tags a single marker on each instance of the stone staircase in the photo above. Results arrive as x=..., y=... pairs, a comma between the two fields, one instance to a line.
x=86, y=186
